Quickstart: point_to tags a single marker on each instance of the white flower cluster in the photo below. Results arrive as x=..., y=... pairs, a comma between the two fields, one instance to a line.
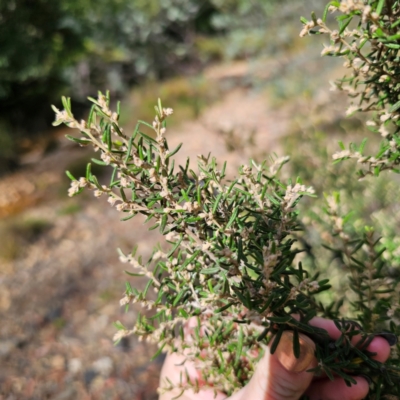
x=293, y=193
x=277, y=164
x=77, y=185
x=373, y=80
x=347, y=6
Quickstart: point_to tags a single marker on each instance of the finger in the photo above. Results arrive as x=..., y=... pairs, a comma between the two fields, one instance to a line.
x=332, y=390
x=281, y=375
x=379, y=345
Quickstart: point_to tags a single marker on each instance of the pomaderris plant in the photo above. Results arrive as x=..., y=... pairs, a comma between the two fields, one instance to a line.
x=230, y=260
x=367, y=37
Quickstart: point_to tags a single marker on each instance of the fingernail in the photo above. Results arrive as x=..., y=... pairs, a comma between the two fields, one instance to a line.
x=285, y=355
x=391, y=338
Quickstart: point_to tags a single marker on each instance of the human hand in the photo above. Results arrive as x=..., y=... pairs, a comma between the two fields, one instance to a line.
x=281, y=376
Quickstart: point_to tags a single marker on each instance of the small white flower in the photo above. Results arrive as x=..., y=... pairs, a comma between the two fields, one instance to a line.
x=366, y=13
x=171, y=236
x=164, y=193
x=341, y=154
x=335, y=35
x=121, y=206
x=124, y=181
x=329, y=49
x=357, y=62
x=365, y=69
x=125, y=300
x=106, y=158
x=383, y=131
x=75, y=187
x=124, y=259
x=120, y=334
x=383, y=78
x=347, y=64
x=333, y=86
x=351, y=110
x=157, y=255
x=112, y=200
x=375, y=16
x=313, y=286
x=168, y=111
x=303, y=32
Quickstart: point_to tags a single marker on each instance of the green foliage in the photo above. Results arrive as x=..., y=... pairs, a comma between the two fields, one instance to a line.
x=230, y=261
x=367, y=37
x=78, y=46
x=37, y=44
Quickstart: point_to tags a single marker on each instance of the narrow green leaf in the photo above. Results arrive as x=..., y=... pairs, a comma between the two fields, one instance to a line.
x=185, y=196
x=173, y=152
x=128, y=217
x=191, y=258
x=324, y=15
x=180, y=295
x=116, y=128
x=177, y=244
x=380, y=6
x=121, y=190
x=304, y=20
x=233, y=218
x=210, y=271
x=88, y=171
x=392, y=46
x=239, y=346
x=277, y=338
x=395, y=106
x=216, y=203
x=133, y=274
x=146, y=124
x=362, y=145
x=296, y=343
x=147, y=138
x=280, y=320
x=225, y=307
x=99, y=162
x=344, y=25
x=164, y=220
x=70, y=176
x=146, y=289
x=158, y=352
x=83, y=142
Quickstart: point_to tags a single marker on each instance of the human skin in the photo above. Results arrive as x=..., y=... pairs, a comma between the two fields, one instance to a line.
x=281, y=376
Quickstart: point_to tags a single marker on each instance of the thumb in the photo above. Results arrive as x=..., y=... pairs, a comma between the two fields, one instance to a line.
x=282, y=376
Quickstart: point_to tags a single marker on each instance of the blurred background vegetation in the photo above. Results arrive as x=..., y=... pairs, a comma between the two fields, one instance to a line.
x=76, y=47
